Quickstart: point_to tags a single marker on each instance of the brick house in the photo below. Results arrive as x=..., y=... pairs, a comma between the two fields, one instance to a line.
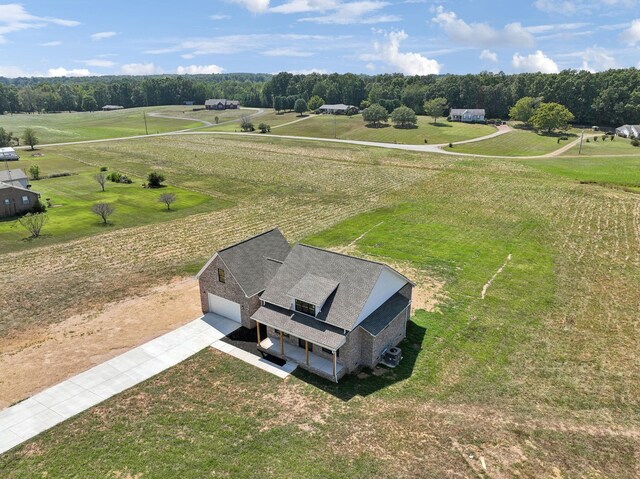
x=221, y=104
x=16, y=200
x=330, y=313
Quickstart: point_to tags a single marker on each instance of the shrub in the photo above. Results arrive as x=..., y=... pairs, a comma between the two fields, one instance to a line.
x=39, y=207
x=564, y=138
x=587, y=140
x=155, y=179
x=34, y=171
x=103, y=168
x=450, y=145
x=635, y=142
x=264, y=128
x=246, y=125
x=125, y=179
x=59, y=175
x=595, y=138
x=114, y=176
x=404, y=117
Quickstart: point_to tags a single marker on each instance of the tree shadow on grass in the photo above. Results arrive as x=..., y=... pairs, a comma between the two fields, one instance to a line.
x=378, y=126
x=369, y=381
x=441, y=125
x=405, y=127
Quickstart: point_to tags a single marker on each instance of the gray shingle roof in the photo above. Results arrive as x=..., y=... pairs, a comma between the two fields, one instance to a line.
x=356, y=278
x=380, y=318
x=7, y=176
x=469, y=111
x=248, y=260
x=300, y=326
x=313, y=289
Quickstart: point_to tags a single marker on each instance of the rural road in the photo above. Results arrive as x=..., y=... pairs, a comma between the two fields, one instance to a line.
x=435, y=148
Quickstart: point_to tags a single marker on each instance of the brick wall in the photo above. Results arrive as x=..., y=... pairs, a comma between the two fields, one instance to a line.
x=16, y=207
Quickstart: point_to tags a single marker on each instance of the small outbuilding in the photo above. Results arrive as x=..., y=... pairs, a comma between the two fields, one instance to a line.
x=8, y=153
x=112, y=107
x=16, y=200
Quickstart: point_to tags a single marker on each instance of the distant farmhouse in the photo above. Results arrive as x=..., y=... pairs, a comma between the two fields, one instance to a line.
x=112, y=107
x=467, y=115
x=15, y=196
x=339, y=109
x=330, y=313
x=8, y=153
x=221, y=104
x=628, y=131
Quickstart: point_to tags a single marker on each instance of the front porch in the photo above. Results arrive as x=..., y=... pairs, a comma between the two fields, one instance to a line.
x=331, y=370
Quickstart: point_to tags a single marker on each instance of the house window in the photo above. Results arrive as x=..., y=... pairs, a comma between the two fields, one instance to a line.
x=7, y=201
x=306, y=308
x=221, y=277
x=25, y=200
x=301, y=344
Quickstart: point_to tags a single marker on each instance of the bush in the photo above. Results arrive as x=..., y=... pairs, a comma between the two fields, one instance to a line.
x=450, y=145
x=34, y=171
x=564, y=138
x=39, y=207
x=246, y=125
x=125, y=179
x=404, y=117
x=103, y=168
x=264, y=128
x=114, y=176
x=155, y=179
x=635, y=142
x=59, y=175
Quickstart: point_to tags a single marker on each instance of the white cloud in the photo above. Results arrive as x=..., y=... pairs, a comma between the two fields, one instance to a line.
x=95, y=62
x=199, y=70
x=219, y=17
x=14, y=18
x=557, y=6
x=51, y=44
x=573, y=7
x=286, y=52
x=10, y=71
x=536, y=62
x=63, y=72
x=140, y=69
x=254, y=6
x=305, y=6
x=96, y=37
x=408, y=63
x=596, y=59
x=631, y=36
x=321, y=71
x=488, y=55
x=481, y=33
x=353, y=12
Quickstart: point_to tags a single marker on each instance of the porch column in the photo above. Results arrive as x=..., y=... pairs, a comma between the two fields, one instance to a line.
x=258, y=331
x=281, y=343
x=335, y=368
x=306, y=351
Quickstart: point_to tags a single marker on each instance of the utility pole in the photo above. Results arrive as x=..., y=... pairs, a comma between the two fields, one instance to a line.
x=581, y=137
x=144, y=113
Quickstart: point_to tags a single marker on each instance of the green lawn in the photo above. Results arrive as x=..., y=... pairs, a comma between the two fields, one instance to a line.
x=72, y=197
x=620, y=146
x=354, y=128
x=270, y=117
x=66, y=127
x=538, y=378
x=515, y=143
x=184, y=111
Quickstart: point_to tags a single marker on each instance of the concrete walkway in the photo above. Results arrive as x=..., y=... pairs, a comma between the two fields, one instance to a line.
x=52, y=406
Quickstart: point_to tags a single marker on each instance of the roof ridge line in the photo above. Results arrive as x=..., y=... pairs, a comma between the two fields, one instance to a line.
x=342, y=254
x=248, y=239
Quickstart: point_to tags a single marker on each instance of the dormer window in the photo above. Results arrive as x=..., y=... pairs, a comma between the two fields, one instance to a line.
x=221, y=276
x=306, y=308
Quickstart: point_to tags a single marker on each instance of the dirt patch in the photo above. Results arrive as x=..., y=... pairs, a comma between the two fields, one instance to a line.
x=41, y=357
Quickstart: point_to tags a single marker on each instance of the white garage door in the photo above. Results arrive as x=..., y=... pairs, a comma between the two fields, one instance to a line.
x=224, y=307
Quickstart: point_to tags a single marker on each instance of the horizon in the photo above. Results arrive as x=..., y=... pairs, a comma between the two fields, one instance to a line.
x=411, y=37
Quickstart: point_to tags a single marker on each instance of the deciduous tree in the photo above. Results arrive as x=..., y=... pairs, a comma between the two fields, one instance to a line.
x=404, y=117
x=168, y=199
x=435, y=108
x=103, y=210
x=375, y=115
x=30, y=138
x=551, y=116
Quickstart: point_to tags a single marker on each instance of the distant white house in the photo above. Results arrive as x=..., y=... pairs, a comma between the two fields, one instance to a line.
x=467, y=115
x=628, y=131
x=8, y=153
x=112, y=107
x=337, y=109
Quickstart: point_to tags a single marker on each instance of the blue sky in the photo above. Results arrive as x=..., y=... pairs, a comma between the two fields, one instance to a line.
x=78, y=37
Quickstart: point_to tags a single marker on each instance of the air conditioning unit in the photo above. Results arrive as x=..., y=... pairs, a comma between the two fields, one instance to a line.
x=391, y=357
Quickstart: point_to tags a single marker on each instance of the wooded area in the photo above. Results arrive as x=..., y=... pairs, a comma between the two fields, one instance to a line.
x=606, y=98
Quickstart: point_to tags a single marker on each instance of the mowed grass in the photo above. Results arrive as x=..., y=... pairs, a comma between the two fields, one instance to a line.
x=67, y=127
x=538, y=378
x=72, y=197
x=187, y=111
x=269, y=116
x=619, y=146
x=515, y=143
x=354, y=128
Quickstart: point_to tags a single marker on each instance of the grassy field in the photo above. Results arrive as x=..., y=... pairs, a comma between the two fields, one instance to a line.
x=72, y=197
x=269, y=116
x=66, y=127
x=539, y=378
x=354, y=128
x=620, y=146
x=184, y=111
x=515, y=143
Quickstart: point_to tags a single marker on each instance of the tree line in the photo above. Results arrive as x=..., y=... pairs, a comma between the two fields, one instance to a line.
x=605, y=98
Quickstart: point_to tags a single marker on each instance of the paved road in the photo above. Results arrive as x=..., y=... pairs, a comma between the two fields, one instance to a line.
x=44, y=410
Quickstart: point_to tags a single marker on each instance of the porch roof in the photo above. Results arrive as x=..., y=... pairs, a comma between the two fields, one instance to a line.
x=301, y=326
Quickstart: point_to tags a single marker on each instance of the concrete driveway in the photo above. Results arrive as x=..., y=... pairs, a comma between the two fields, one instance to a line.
x=52, y=406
